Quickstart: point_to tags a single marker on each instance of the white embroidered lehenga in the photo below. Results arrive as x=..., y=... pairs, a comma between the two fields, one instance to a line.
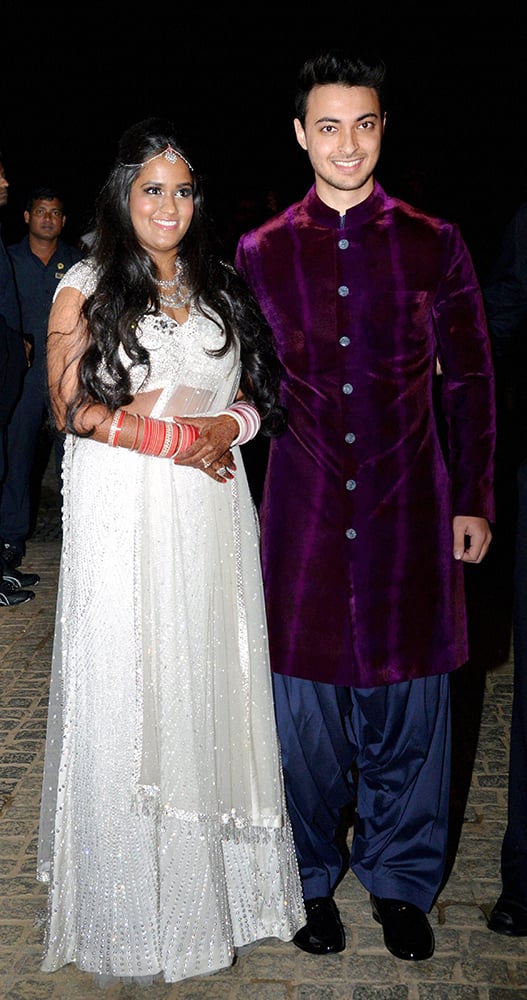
x=163, y=833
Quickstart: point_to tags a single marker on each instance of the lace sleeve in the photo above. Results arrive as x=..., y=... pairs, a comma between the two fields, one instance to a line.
x=81, y=276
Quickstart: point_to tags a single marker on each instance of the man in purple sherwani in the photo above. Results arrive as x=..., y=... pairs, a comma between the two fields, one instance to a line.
x=369, y=510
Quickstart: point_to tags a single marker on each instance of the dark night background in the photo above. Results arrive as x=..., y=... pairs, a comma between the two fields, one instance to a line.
x=75, y=76
x=455, y=142
x=456, y=133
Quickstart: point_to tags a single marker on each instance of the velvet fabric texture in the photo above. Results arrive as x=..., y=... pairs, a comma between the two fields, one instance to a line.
x=361, y=585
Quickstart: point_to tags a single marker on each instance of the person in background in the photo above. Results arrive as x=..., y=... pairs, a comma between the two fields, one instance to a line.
x=40, y=261
x=505, y=293
x=13, y=369
x=164, y=835
x=366, y=524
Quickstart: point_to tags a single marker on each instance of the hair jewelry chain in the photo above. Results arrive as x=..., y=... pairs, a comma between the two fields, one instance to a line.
x=169, y=153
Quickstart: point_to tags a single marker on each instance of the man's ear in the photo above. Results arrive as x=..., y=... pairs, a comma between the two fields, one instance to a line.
x=300, y=134
x=26, y=217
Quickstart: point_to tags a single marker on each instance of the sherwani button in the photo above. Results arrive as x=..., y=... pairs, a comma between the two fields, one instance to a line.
x=347, y=388
x=351, y=533
x=351, y=484
x=343, y=290
x=344, y=341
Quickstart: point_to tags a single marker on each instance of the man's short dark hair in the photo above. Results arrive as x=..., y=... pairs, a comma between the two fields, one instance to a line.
x=43, y=193
x=338, y=66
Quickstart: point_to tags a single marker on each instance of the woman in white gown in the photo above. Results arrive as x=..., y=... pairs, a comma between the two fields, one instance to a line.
x=164, y=835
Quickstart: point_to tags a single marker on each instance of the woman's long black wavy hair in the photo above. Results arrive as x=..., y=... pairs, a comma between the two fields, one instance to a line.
x=126, y=290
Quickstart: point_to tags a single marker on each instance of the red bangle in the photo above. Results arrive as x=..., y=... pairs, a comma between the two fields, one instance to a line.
x=189, y=433
x=138, y=423
x=115, y=428
x=161, y=438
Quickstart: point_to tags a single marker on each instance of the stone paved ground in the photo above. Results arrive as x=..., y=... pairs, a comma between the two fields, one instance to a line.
x=470, y=963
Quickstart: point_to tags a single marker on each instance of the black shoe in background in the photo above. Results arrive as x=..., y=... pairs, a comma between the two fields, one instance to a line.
x=10, y=558
x=20, y=580
x=508, y=917
x=10, y=595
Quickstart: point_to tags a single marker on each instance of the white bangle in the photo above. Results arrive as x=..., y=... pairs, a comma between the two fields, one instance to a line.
x=169, y=436
x=248, y=419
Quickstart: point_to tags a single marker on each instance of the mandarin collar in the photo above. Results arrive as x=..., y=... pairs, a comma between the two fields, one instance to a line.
x=356, y=216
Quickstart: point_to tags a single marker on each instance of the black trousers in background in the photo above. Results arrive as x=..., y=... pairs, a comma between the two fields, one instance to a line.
x=514, y=847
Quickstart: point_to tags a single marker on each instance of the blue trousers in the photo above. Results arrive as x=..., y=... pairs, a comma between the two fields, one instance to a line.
x=514, y=847
x=387, y=751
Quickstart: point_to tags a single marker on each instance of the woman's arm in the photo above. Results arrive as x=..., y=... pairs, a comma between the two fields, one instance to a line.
x=66, y=343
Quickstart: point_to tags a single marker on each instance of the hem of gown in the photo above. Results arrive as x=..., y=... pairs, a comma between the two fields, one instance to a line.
x=106, y=980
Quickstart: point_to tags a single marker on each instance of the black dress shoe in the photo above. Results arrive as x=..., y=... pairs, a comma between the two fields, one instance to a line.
x=11, y=595
x=20, y=580
x=508, y=918
x=407, y=933
x=323, y=933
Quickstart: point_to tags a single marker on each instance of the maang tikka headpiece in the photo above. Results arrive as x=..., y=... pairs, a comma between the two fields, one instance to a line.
x=170, y=154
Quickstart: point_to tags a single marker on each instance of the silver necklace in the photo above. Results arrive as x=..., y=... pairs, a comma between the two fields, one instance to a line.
x=166, y=284
x=181, y=295
x=175, y=301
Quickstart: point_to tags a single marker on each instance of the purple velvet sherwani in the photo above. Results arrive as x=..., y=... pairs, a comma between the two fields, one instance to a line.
x=361, y=585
